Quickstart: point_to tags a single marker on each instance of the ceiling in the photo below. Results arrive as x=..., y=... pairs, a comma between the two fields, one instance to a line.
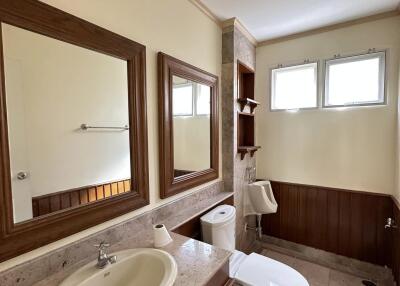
x=269, y=19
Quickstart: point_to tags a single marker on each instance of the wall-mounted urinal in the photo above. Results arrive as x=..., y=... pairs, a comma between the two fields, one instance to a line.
x=258, y=200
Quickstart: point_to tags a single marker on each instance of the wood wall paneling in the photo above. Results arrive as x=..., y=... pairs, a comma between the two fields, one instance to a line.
x=50, y=203
x=178, y=173
x=340, y=221
x=394, y=242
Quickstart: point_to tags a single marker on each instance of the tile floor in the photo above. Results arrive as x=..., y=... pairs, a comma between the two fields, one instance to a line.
x=316, y=275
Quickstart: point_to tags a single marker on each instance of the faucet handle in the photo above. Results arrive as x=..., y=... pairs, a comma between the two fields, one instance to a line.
x=103, y=245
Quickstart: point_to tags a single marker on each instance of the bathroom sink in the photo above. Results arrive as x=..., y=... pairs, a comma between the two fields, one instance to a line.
x=142, y=266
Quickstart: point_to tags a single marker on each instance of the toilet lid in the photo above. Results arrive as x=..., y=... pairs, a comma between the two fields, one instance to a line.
x=258, y=270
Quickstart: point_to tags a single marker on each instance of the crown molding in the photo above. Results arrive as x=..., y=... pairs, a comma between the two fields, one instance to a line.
x=203, y=8
x=242, y=28
x=333, y=27
x=230, y=22
x=236, y=23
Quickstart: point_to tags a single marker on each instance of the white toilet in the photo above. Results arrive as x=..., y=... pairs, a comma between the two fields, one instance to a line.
x=218, y=228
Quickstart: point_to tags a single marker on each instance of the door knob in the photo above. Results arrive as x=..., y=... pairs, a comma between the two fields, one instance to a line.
x=22, y=175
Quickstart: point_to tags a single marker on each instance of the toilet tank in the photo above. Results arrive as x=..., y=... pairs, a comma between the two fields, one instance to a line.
x=218, y=227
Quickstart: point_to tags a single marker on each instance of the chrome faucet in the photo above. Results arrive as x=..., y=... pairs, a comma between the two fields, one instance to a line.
x=390, y=223
x=103, y=259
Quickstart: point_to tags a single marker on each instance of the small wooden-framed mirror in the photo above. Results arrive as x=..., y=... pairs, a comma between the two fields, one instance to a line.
x=188, y=126
x=73, y=130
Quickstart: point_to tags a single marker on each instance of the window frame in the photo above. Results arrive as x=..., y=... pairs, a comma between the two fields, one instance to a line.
x=298, y=64
x=183, y=85
x=382, y=55
x=195, y=102
x=195, y=95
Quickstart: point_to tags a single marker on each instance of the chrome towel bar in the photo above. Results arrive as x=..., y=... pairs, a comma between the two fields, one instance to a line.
x=87, y=127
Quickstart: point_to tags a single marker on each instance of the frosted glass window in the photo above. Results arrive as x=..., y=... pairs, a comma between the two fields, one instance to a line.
x=203, y=100
x=183, y=100
x=358, y=80
x=294, y=87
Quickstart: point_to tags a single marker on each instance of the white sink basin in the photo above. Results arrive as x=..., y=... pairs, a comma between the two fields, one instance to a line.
x=142, y=266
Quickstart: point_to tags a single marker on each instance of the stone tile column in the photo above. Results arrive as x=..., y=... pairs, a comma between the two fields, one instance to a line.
x=235, y=46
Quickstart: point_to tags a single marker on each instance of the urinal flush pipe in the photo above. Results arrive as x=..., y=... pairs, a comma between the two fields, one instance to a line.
x=258, y=228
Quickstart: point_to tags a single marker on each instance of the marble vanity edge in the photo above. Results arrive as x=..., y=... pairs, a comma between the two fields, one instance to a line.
x=138, y=227
x=197, y=261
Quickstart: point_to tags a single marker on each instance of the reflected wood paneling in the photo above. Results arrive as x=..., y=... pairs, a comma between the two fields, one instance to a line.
x=50, y=203
x=344, y=222
x=178, y=173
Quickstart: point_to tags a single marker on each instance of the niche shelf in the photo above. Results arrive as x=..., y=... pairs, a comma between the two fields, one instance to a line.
x=249, y=102
x=246, y=88
x=245, y=121
x=243, y=150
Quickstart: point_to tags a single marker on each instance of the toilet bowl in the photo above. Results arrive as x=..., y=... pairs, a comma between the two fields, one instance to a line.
x=218, y=228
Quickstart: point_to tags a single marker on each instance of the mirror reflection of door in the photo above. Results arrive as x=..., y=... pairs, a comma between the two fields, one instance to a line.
x=191, y=126
x=52, y=88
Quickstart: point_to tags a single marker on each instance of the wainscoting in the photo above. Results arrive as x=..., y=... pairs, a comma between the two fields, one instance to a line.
x=71, y=198
x=395, y=245
x=344, y=222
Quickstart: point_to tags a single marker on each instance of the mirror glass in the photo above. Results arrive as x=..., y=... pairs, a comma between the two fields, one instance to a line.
x=68, y=122
x=191, y=126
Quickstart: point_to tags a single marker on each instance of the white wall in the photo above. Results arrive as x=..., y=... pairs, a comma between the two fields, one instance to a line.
x=346, y=148
x=60, y=87
x=175, y=27
x=192, y=143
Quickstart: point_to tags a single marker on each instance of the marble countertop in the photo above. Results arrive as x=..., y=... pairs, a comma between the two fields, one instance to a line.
x=197, y=261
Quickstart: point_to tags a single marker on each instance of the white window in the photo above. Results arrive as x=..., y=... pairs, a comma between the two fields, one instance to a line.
x=294, y=87
x=203, y=97
x=182, y=100
x=356, y=80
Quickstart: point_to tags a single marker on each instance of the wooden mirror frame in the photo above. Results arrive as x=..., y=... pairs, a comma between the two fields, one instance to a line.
x=43, y=19
x=167, y=68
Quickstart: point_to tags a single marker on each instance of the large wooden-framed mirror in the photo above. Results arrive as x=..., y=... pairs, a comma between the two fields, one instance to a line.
x=188, y=126
x=73, y=137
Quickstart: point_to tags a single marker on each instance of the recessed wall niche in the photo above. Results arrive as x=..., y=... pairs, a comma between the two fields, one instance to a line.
x=245, y=121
